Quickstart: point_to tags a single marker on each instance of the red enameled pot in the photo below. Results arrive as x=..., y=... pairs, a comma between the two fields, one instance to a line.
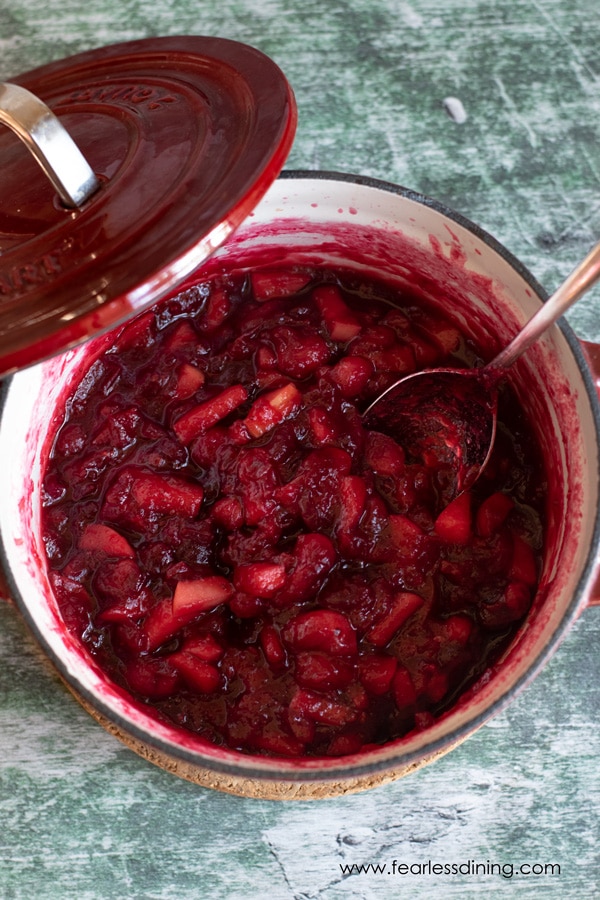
x=378, y=229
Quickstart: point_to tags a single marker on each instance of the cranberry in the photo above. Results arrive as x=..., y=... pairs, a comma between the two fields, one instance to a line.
x=239, y=553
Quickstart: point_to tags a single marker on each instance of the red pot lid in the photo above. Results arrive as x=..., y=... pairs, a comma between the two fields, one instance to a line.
x=185, y=135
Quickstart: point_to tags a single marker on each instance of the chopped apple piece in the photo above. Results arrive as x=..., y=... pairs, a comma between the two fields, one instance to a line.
x=203, y=416
x=270, y=283
x=261, y=579
x=201, y=594
x=403, y=606
x=189, y=380
x=340, y=321
x=270, y=409
x=105, y=539
x=453, y=525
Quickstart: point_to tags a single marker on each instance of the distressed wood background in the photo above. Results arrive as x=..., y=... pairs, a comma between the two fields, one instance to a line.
x=82, y=817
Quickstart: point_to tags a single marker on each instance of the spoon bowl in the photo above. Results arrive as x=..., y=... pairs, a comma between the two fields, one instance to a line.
x=448, y=419
x=446, y=416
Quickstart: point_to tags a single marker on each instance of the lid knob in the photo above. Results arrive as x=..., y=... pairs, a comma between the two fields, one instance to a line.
x=49, y=142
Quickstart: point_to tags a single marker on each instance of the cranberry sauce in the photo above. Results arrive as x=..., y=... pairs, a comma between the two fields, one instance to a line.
x=243, y=556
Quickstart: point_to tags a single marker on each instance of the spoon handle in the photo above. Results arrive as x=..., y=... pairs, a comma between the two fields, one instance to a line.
x=577, y=283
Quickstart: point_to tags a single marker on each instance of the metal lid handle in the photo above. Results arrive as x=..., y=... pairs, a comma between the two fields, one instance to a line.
x=49, y=142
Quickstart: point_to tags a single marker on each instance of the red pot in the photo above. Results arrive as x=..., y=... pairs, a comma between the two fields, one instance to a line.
x=378, y=229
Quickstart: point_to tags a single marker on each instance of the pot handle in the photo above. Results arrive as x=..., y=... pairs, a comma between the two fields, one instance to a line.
x=49, y=143
x=591, y=352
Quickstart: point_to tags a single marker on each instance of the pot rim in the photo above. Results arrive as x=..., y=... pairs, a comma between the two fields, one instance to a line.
x=351, y=767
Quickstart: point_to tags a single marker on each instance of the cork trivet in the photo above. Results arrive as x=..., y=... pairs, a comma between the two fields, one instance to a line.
x=258, y=788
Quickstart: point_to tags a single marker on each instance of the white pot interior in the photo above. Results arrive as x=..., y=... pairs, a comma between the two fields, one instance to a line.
x=335, y=221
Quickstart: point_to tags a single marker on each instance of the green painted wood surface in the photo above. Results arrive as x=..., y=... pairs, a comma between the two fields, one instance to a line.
x=82, y=817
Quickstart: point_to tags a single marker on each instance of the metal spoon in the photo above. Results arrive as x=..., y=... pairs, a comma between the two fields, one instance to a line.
x=448, y=416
